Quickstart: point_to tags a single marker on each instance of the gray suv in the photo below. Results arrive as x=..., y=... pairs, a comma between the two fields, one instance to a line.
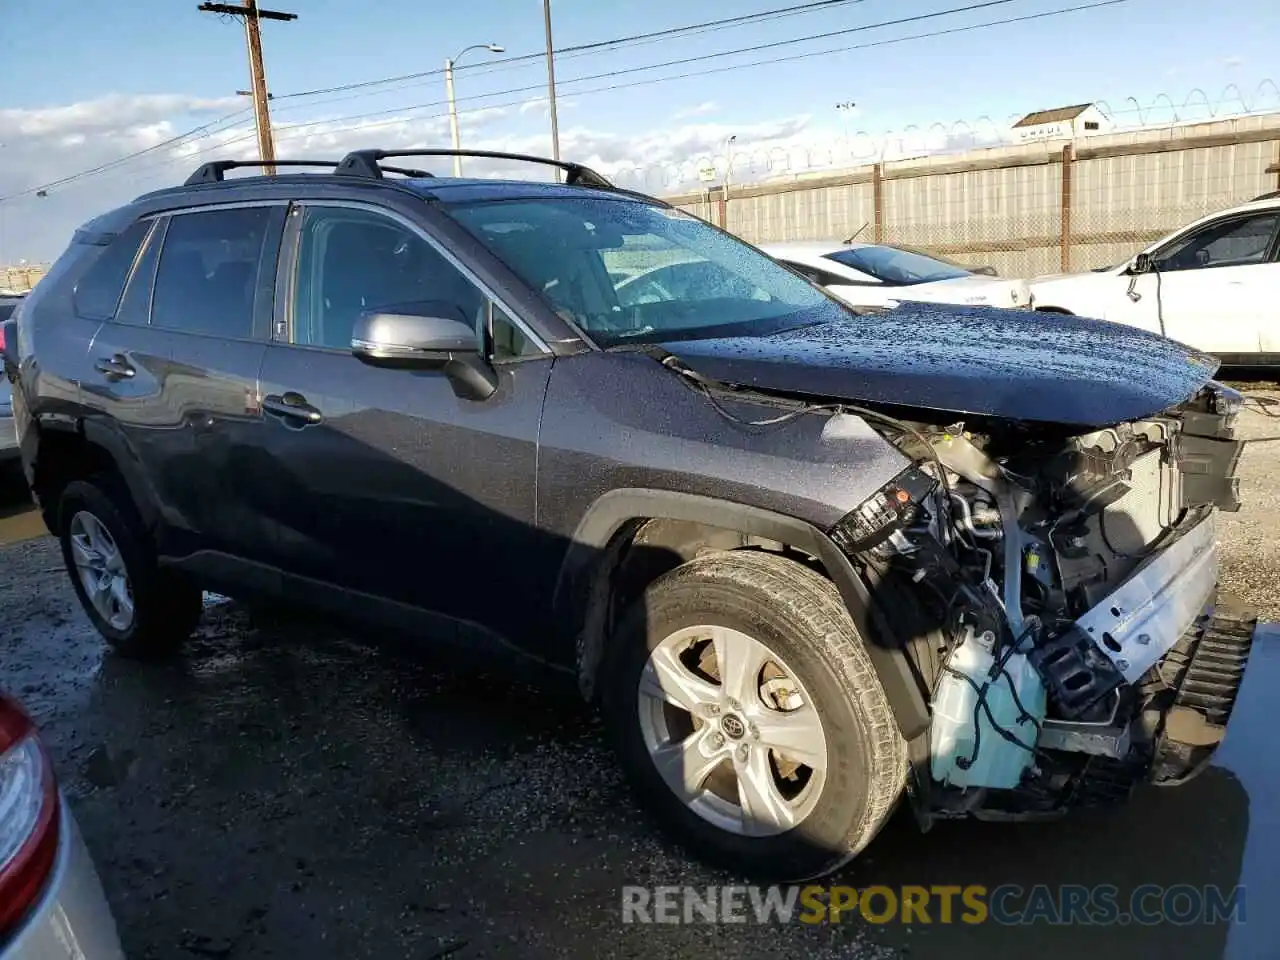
x=807, y=560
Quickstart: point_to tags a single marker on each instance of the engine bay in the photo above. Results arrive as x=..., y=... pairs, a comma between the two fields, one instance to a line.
x=1077, y=643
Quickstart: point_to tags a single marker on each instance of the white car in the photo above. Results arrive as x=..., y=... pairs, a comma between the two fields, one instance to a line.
x=1214, y=285
x=873, y=275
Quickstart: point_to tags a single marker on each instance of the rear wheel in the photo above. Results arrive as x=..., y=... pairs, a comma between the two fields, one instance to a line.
x=746, y=713
x=140, y=609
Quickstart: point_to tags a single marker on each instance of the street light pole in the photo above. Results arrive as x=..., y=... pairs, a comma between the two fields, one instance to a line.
x=845, y=109
x=551, y=84
x=728, y=164
x=453, y=103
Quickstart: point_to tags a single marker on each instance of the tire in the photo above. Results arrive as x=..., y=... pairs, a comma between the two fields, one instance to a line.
x=798, y=616
x=165, y=606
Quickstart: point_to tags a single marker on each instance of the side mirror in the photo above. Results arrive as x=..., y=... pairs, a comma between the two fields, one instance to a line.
x=429, y=335
x=1141, y=264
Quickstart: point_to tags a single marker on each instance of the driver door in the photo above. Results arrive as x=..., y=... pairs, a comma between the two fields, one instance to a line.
x=1216, y=287
x=385, y=482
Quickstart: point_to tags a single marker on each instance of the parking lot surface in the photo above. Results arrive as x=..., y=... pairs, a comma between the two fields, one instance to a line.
x=286, y=788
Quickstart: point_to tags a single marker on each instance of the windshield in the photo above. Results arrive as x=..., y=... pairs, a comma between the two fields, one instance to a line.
x=898, y=267
x=628, y=271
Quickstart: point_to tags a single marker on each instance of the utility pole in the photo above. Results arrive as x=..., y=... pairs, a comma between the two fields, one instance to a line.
x=251, y=15
x=551, y=85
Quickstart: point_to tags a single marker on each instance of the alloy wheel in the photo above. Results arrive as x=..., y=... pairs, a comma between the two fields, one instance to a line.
x=732, y=730
x=101, y=570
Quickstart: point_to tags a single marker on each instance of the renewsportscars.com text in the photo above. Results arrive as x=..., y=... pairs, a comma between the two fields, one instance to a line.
x=1009, y=904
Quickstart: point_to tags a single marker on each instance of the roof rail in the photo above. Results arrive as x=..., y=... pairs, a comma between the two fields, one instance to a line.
x=214, y=171
x=364, y=163
x=1273, y=195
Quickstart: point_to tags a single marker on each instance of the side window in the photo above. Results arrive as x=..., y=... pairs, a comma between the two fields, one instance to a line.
x=508, y=341
x=353, y=260
x=97, y=294
x=136, y=305
x=208, y=272
x=1232, y=243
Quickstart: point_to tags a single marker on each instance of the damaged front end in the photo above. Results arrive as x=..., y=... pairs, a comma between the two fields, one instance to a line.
x=1056, y=592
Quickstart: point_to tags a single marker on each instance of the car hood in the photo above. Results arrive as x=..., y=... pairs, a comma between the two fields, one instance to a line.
x=984, y=361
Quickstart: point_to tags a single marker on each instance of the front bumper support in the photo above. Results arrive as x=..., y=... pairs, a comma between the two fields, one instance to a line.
x=1120, y=639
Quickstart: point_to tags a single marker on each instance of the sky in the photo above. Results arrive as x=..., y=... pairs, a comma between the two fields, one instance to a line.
x=85, y=83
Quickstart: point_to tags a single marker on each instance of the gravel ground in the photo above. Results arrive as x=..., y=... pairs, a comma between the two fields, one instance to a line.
x=285, y=788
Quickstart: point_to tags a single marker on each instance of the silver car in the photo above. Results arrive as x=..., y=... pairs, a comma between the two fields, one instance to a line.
x=8, y=436
x=51, y=902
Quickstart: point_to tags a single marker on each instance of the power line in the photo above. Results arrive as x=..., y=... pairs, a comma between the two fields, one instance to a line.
x=290, y=132
x=594, y=46
x=103, y=167
x=684, y=61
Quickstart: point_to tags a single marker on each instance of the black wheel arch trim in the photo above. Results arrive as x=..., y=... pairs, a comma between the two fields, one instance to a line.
x=593, y=552
x=105, y=437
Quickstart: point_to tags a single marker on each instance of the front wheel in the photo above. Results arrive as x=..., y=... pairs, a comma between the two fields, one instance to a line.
x=746, y=713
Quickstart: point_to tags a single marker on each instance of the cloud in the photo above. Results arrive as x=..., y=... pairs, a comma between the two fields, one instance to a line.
x=698, y=110
x=1235, y=61
x=40, y=147
x=539, y=105
x=113, y=112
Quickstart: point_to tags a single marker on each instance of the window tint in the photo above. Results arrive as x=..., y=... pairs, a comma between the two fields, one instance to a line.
x=1233, y=243
x=208, y=272
x=352, y=260
x=97, y=293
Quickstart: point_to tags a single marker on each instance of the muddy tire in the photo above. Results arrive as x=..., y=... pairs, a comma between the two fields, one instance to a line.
x=140, y=609
x=754, y=659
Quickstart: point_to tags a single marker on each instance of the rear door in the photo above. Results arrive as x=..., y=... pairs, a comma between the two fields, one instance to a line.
x=177, y=371
x=384, y=481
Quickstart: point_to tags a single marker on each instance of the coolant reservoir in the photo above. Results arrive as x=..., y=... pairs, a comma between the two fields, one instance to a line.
x=999, y=764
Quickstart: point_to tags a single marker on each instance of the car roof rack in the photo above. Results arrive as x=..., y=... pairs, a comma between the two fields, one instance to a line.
x=365, y=163
x=215, y=170
x=1273, y=195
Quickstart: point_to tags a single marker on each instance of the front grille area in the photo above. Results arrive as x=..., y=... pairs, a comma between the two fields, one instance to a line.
x=1196, y=685
x=1150, y=507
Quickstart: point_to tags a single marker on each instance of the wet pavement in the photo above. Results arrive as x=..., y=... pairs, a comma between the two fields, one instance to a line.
x=287, y=788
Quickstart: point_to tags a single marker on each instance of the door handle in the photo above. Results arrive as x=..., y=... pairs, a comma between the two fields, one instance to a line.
x=116, y=367
x=291, y=406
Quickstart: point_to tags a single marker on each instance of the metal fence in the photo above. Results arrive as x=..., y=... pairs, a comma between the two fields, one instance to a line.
x=1025, y=210
x=21, y=279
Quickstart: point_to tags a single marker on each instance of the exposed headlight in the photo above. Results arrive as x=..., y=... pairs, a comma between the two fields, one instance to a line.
x=1226, y=402
x=893, y=507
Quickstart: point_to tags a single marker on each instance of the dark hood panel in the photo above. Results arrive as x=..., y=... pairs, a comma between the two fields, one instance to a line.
x=985, y=361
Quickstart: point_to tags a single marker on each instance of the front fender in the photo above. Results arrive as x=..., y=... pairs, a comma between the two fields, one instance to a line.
x=583, y=582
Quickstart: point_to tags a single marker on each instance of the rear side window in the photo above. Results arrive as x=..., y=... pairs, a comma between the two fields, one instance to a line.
x=97, y=294
x=208, y=272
